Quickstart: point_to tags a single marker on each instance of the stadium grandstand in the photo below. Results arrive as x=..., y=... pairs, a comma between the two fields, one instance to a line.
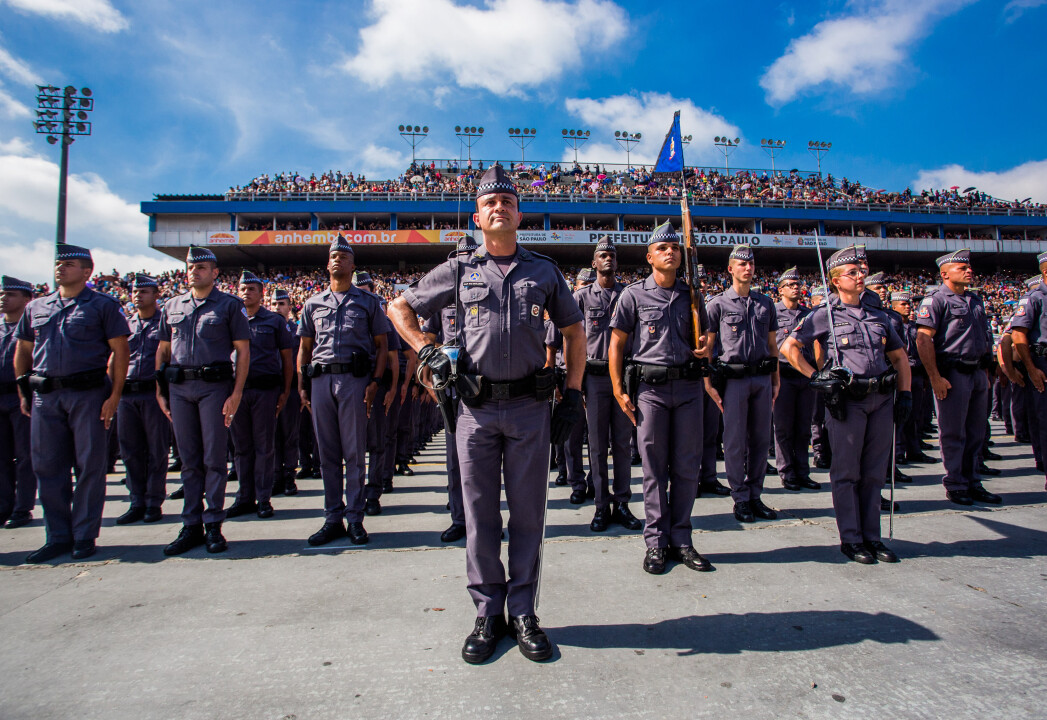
x=285, y=220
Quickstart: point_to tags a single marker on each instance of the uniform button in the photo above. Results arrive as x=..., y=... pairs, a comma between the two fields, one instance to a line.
x=505, y=355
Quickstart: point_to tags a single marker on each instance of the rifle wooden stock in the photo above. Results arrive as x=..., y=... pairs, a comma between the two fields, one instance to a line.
x=688, y=265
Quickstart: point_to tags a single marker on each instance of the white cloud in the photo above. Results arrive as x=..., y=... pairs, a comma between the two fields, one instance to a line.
x=861, y=52
x=1026, y=180
x=96, y=14
x=1015, y=8
x=17, y=70
x=535, y=41
x=9, y=107
x=96, y=217
x=650, y=114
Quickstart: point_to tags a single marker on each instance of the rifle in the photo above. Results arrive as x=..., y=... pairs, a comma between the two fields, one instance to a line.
x=690, y=274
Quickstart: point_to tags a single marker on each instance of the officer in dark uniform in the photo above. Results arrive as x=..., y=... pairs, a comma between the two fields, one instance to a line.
x=860, y=347
x=343, y=357
x=1029, y=336
x=268, y=385
x=794, y=409
x=442, y=329
x=663, y=398
x=288, y=423
x=901, y=303
x=17, y=481
x=712, y=423
x=745, y=323
x=65, y=340
x=378, y=420
x=954, y=345
x=878, y=294
x=144, y=432
x=604, y=417
x=502, y=291
x=819, y=435
x=200, y=391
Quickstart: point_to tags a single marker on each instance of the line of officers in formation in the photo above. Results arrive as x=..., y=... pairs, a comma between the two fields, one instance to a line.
x=852, y=375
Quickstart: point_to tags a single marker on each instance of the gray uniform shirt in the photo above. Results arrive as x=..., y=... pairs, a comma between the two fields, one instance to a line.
x=143, y=342
x=741, y=324
x=71, y=335
x=863, y=333
x=502, y=327
x=788, y=319
x=1030, y=314
x=269, y=335
x=597, y=305
x=961, y=328
x=8, y=343
x=341, y=328
x=659, y=320
x=201, y=332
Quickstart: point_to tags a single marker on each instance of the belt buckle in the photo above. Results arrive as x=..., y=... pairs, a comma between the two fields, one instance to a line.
x=874, y=385
x=499, y=391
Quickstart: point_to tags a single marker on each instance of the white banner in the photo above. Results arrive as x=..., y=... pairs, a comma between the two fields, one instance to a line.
x=591, y=237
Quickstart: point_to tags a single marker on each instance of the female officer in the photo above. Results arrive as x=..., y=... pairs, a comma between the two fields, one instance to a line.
x=861, y=347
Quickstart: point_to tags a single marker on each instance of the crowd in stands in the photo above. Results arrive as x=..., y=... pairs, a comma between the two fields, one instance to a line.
x=594, y=181
x=999, y=291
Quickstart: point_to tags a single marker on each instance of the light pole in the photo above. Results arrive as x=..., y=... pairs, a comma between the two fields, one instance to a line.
x=726, y=146
x=469, y=136
x=61, y=114
x=574, y=138
x=819, y=148
x=523, y=138
x=414, y=135
x=626, y=140
x=773, y=147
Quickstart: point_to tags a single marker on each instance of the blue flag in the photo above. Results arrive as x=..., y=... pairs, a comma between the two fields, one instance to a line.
x=670, y=159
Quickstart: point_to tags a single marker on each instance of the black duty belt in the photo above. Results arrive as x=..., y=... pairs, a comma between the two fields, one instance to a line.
x=217, y=372
x=788, y=371
x=967, y=367
x=88, y=380
x=597, y=368
x=8, y=388
x=736, y=371
x=661, y=374
x=359, y=365
x=538, y=386
x=883, y=384
x=264, y=382
x=132, y=387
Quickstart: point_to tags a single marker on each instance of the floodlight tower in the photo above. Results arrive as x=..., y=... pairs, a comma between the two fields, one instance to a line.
x=773, y=147
x=726, y=146
x=626, y=140
x=61, y=113
x=819, y=148
x=574, y=138
x=414, y=135
x=469, y=136
x=523, y=138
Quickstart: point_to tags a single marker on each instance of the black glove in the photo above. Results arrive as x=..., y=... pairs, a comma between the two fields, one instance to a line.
x=830, y=381
x=24, y=387
x=902, y=407
x=436, y=361
x=568, y=412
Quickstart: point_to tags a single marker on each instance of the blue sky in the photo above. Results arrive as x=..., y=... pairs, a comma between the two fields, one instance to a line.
x=197, y=96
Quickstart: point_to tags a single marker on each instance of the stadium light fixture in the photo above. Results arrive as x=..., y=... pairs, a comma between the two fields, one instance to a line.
x=626, y=140
x=726, y=146
x=819, y=148
x=523, y=138
x=574, y=138
x=414, y=135
x=468, y=135
x=61, y=114
x=773, y=147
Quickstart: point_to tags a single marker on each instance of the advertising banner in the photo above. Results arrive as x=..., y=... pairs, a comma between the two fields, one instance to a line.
x=322, y=237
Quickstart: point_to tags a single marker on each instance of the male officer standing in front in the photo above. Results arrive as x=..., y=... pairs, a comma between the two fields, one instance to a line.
x=794, y=408
x=746, y=324
x=144, y=432
x=503, y=291
x=605, y=418
x=17, y=481
x=655, y=315
x=199, y=390
x=64, y=343
x=342, y=359
x=265, y=393
x=953, y=341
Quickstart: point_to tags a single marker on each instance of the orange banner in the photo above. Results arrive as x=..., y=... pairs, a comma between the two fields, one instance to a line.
x=323, y=237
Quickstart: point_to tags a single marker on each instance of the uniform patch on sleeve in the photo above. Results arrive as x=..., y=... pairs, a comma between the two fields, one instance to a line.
x=1020, y=310
x=925, y=308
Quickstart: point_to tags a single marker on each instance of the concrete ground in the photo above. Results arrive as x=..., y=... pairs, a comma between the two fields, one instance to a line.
x=785, y=627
